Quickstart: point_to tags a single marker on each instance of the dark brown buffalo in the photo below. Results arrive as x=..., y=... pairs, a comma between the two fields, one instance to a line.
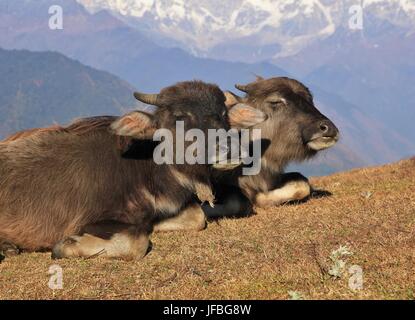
x=93, y=187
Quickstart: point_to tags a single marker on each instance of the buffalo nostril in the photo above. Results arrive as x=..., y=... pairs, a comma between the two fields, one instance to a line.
x=324, y=128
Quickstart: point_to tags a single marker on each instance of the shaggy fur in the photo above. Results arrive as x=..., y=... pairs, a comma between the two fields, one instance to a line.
x=56, y=181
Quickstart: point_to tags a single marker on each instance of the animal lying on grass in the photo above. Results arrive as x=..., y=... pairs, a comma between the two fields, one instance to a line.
x=93, y=188
x=293, y=131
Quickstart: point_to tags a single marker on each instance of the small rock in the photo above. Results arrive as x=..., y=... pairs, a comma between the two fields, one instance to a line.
x=366, y=194
x=295, y=295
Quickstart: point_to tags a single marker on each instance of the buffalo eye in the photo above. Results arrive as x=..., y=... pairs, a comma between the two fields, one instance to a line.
x=277, y=103
x=180, y=116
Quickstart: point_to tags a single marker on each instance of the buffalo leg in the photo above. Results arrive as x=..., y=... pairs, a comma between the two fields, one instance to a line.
x=231, y=203
x=192, y=218
x=292, y=187
x=109, y=239
x=8, y=249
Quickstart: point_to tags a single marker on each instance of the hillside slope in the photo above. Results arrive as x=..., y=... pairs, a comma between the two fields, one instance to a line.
x=38, y=89
x=281, y=249
x=106, y=43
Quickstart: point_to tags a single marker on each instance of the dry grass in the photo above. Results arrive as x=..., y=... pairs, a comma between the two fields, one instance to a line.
x=282, y=249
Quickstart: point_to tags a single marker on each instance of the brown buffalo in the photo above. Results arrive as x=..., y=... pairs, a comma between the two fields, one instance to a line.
x=93, y=188
x=294, y=131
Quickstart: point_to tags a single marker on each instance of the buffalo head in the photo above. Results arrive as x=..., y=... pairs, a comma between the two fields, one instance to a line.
x=190, y=105
x=295, y=128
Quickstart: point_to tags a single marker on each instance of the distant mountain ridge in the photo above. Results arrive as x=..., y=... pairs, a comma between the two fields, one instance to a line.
x=264, y=29
x=106, y=43
x=40, y=89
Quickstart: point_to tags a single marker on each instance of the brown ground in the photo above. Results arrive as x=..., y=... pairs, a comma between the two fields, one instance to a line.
x=282, y=249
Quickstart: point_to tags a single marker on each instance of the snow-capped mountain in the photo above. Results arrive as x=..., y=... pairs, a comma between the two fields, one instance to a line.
x=265, y=28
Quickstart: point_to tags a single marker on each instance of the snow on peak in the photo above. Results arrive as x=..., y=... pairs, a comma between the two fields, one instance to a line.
x=200, y=25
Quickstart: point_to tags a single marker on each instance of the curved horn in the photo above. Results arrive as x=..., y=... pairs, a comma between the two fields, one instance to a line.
x=147, y=98
x=241, y=87
x=258, y=77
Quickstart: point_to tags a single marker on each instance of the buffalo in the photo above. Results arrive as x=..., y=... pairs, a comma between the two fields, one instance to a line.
x=93, y=187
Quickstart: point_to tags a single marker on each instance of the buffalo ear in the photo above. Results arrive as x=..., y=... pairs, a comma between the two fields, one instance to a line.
x=243, y=116
x=231, y=99
x=137, y=124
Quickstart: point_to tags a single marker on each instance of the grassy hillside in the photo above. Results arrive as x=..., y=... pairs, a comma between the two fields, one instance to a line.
x=282, y=249
x=40, y=88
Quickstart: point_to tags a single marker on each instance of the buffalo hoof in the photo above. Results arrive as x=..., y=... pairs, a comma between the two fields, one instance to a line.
x=8, y=249
x=120, y=245
x=59, y=250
